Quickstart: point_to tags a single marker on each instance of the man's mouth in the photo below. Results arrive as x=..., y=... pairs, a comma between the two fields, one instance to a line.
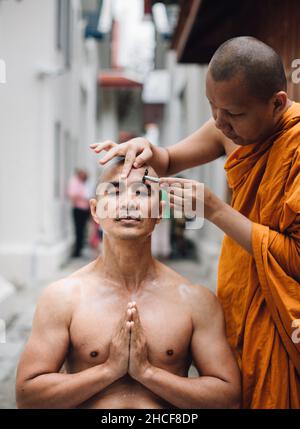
x=128, y=218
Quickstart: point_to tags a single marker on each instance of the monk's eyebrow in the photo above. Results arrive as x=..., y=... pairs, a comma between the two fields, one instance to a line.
x=115, y=183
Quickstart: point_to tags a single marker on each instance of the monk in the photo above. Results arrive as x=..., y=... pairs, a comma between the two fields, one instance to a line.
x=257, y=127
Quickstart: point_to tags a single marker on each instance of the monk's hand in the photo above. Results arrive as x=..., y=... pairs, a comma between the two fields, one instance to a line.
x=138, y=350
x=137, y=152
x=118, y=358
x=188, y=198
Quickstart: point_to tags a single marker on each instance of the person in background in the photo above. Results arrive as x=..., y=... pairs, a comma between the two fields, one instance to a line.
x=78, y=192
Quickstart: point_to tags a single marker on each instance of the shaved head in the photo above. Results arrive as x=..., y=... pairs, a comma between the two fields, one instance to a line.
x=258, y=64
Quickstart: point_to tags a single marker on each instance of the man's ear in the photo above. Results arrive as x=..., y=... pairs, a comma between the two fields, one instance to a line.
x=93, y=207
x=279, y=102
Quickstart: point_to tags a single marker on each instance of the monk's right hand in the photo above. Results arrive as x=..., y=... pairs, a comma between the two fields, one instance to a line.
x=137, y=152
x=118, y=358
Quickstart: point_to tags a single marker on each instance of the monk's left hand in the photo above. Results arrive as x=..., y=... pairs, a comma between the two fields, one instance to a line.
x=189, y=197
x=138, y=350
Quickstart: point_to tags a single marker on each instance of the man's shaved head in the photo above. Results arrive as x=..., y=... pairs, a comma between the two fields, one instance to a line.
x=259, y=65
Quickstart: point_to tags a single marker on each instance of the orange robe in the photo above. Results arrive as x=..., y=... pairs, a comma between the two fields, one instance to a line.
x=260, y=294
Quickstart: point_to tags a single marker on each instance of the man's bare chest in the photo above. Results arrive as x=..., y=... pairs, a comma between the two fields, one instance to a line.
x=167, y=325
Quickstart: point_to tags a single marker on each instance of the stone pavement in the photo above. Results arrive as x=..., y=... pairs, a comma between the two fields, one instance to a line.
x=18, y=312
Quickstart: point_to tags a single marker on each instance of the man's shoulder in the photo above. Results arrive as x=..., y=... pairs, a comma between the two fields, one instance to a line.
x=62, y=293
x=196, y=295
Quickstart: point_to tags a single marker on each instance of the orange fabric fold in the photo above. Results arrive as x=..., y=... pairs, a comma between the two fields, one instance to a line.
x=260, y=294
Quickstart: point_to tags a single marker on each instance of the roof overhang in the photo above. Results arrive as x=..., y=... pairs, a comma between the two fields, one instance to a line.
x=204, y=25
x=118, y=80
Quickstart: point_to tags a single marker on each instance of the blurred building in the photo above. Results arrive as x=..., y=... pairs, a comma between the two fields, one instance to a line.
x=47, y=120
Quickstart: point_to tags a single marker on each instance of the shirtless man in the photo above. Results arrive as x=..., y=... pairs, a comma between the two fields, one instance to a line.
x=126, y=327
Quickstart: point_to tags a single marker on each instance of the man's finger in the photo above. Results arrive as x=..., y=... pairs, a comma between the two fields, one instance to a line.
x=128, y=326
x=136, y=317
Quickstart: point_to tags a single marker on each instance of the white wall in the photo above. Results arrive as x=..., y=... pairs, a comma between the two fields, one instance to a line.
x=35, y=228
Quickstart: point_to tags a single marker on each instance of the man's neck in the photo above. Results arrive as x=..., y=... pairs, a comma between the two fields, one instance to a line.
x=127, y=263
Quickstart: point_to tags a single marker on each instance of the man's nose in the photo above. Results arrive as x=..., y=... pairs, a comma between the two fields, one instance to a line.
x=221, y=121
x=128, y=202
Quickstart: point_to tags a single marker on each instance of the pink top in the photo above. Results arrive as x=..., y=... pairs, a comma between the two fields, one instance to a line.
x=78, y=193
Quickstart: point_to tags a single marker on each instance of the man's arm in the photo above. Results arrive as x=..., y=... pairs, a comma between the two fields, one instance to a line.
x=39, y=383
x=218, y=385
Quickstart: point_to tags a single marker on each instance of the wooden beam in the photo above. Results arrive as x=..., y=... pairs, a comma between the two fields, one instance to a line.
x=187, y=28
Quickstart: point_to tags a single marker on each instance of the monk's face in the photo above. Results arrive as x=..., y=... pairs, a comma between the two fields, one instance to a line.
x=242, y=117
x=126, y=209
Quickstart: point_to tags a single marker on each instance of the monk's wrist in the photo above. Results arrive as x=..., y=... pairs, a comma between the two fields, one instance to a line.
x=213, y=207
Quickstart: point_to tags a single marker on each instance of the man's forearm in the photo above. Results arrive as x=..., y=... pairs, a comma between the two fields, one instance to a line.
x=185, y=392
x=58, y=390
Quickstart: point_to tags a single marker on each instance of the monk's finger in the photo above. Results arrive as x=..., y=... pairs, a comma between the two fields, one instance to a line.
x=178, y=201
x=174, y=190
x=173, y=180
x=143, y=158
x=128, y=163
x=106, y=145
x=110, y=154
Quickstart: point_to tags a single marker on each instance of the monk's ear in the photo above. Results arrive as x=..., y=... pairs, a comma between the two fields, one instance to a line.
x=93, y=207
x=279, y=101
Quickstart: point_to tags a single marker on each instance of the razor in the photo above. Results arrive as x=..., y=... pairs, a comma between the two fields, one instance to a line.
x=150, y=178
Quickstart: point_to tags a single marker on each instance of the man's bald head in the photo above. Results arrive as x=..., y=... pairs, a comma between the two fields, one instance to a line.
x=257, y=63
